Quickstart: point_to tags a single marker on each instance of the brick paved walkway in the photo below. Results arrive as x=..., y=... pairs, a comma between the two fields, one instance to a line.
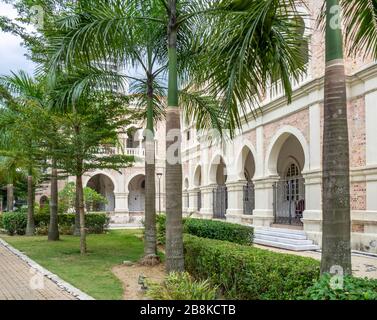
x=18, y=281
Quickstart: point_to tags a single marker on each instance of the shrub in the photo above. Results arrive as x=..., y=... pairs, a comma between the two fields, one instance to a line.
x=219, y=230
x=14, y=222
x=161, y=230
x=1, y=221
x=41, y=229
x=248, y=273
x=351, y=289
x=181, y=286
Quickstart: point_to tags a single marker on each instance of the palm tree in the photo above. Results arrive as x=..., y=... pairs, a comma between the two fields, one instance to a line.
x=336, y=225
x=143, y=46
x=29, y=125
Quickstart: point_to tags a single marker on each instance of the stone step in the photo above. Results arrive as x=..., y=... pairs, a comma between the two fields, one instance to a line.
x=287, y=246
x=283, y=240
x=281, y=230
x=280, y=234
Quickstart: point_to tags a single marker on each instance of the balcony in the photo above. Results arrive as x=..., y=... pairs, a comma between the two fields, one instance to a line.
x=137, y=152
x=276, y=90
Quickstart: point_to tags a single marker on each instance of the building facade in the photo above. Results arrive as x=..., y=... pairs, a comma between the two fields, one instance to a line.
x=124, y=190
x=270, y=174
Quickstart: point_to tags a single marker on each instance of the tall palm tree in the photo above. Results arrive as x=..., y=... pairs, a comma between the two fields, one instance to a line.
x=26, y=102
x=336, y=225
x=143, y=46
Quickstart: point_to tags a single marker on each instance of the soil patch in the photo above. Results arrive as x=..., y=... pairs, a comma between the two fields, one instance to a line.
x=129, y=275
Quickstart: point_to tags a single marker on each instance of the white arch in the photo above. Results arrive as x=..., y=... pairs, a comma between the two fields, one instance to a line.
x=131, y=177
x=215, y=161
x=277, y=142
x=239, y=165
x=90, y=175
x=198, y=171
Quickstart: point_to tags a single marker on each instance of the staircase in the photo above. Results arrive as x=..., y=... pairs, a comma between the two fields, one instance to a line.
x=294, y=240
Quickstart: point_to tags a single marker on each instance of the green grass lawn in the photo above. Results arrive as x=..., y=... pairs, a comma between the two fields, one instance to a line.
x=91, y=273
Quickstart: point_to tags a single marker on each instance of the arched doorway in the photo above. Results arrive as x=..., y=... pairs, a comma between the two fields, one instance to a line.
x=103, y=185
x=220, y=193
x=249, y=172
x=197, y=185
x=136, y=196
x=289, y=191
x=43, y=201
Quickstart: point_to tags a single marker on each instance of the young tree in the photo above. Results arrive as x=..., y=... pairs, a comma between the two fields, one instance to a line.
x=87, y=124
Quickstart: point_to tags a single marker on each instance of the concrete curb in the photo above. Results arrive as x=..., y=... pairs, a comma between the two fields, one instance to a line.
x=77, y=293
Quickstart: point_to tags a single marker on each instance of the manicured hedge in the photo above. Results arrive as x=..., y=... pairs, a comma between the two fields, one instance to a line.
x=211, y=229
x=349, y=288
x=15, y=222
x=244, y=272
x=220, y=230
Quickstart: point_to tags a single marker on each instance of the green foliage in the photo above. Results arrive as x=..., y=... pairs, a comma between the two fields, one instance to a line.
x=219, y=230
x=209, y=229
x=93, y=199
x=181, y=286
x=14, y=222
x=247, y=273
x=351, y=289
x=67, y=197
x=161, y=228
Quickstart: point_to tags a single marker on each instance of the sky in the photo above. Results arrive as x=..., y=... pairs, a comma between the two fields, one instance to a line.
x=12, y=54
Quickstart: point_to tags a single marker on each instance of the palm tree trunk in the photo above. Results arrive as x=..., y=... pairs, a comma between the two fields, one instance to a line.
x=174, y=236
x=150, y=240
x=53, y=229
x=10, y=197
x=30, y=225
x=336, y=227
x=80, y=192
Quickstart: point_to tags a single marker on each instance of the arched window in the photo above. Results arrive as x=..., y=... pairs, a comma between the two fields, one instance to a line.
x=292, y=186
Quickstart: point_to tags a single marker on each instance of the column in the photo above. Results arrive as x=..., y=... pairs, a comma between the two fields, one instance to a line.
x=312, y=216
x=121, y=213
x=234, y=212
x=207, y=206
x=263, y=215
x=185, y=194
x=192, y=201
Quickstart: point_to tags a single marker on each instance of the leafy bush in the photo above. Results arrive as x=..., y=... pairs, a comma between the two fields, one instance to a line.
x=41, y=229
x=14, y=222
x=67, y=198
x=161, y=229
x=351, y=289
x=181, y=286
x=247, y=273
x=208, y=229
x=1, y=221
x=219, y=230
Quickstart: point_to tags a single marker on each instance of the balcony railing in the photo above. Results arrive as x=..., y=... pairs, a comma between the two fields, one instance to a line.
x=276, y=89
x=137, y=152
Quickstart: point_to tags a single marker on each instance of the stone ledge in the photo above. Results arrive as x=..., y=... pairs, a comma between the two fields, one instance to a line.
x=77, y=293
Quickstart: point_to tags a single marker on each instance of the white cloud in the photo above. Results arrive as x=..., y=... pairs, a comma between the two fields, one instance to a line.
x=12, y=54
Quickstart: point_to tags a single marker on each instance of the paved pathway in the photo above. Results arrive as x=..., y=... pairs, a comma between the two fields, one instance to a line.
x=18, y=281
